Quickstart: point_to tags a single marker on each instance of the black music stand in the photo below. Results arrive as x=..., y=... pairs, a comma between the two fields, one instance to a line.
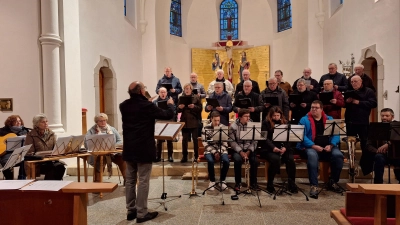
x=166, y=130
x=218, y=136
x=16, y=157
x=288, y=133
x=253, y=133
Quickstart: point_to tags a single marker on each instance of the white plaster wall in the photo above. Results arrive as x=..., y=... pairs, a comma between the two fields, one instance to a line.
x=20, y=58
x=377, y=24
x=104, y=31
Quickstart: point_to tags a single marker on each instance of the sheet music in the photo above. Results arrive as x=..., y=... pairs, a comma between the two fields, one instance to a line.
x=171, y=129
x=158, y=127
x=247, y=133
x=76, y=143
x=16, y=157
x=61, y=145
x=46, y=185
x=14, y=142
x=296, y=133
x=339, y=127
x=214, y=134
x=13, y=184
x=100, y=142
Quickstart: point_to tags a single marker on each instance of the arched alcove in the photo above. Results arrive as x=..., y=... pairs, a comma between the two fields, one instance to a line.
x=105, y=86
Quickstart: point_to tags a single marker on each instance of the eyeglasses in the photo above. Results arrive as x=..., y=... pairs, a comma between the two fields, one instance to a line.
x=315, y=107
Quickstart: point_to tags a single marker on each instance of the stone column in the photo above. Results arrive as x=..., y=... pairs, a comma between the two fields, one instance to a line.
x=51, y=42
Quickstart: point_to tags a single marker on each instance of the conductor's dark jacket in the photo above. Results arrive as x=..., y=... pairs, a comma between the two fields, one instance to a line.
x=138, y=118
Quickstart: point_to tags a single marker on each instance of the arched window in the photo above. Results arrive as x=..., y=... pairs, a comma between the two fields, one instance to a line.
x=284, y=15
x=175, y=21
x=229, y=20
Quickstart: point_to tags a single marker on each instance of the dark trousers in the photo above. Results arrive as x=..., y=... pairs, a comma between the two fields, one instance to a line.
x=225, y=166
x=275, y=160
x=53, y=170
x=380, y=160
x=362, y=132
x=159, y=148
x=186, y=133
x=238, y=161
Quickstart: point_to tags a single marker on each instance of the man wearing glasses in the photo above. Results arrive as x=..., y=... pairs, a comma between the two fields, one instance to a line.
x=299, y=109
x=311, y=84
x=358, y=109
x=334, y=108
x=174, y=85
x=315, y=148
x=273, y=90
x=339, y=80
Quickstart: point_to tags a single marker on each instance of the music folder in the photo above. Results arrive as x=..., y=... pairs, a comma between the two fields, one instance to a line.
x=326, y=97
x=195, y=91
x=162, y=104
x=351, y=94
x=322, y=140
x=295, y=98
x=185, y=100
x=379, y=131
x=271, y=100
x=167, y=86
x=243, y=103
x=213, y=102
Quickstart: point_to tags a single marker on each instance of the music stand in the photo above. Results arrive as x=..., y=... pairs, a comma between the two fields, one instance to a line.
x=166, y=130
x=395, y=139
x=218, y=136
x=14, y=143
x=288, y=133
x=253, y=133
x=16, y=157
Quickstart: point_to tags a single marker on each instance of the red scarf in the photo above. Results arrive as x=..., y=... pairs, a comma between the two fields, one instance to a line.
x=313, y=128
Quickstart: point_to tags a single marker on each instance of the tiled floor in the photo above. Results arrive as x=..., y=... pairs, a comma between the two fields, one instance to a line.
x=207, y=209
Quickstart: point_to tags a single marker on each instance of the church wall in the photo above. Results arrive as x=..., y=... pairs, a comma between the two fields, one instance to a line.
x=377, y=24
x=105, y=32
x=20, y=58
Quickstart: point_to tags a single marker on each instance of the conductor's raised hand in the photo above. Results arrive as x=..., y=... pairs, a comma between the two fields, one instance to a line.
x=170, y=101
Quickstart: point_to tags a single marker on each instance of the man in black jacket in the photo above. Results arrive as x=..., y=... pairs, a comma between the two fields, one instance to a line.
x=339, y=80
x=357, y=116
x=311, y=84
x=274, y=91
x=138, y=118
x=254, y=84
x=247, y=93
x=366, y=80
x=301, y=108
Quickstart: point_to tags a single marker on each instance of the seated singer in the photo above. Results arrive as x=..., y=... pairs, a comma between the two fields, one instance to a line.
x=101, y=127
x=243, y=150
x=314, y=126
x=277, y=152
x=12, y=125
x=43, y=139
x=189, y=116
x=215, y=151
x=380, y=150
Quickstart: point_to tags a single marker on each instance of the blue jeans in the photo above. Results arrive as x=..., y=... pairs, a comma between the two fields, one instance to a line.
x=313, y=157
x=225, y=166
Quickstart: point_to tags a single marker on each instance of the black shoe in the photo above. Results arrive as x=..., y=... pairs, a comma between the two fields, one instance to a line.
x=333, y=186
x=131, y=215
x=170, y=159
x=237, y=187
x=148, y=216
x=184, y=159
x=157, y=160
x=270, y=188
x=254, y=187
x=292, y=187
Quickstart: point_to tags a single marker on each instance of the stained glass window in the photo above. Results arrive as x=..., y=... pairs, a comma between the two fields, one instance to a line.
x=341, y=1
x=284, y=15
x=175, y=22
x=124, y=7
x=229, y=20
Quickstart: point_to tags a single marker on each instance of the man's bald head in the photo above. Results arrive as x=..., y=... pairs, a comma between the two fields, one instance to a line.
x=136, y=87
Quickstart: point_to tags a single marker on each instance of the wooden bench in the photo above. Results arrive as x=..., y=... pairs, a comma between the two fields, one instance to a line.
x=360, y=207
